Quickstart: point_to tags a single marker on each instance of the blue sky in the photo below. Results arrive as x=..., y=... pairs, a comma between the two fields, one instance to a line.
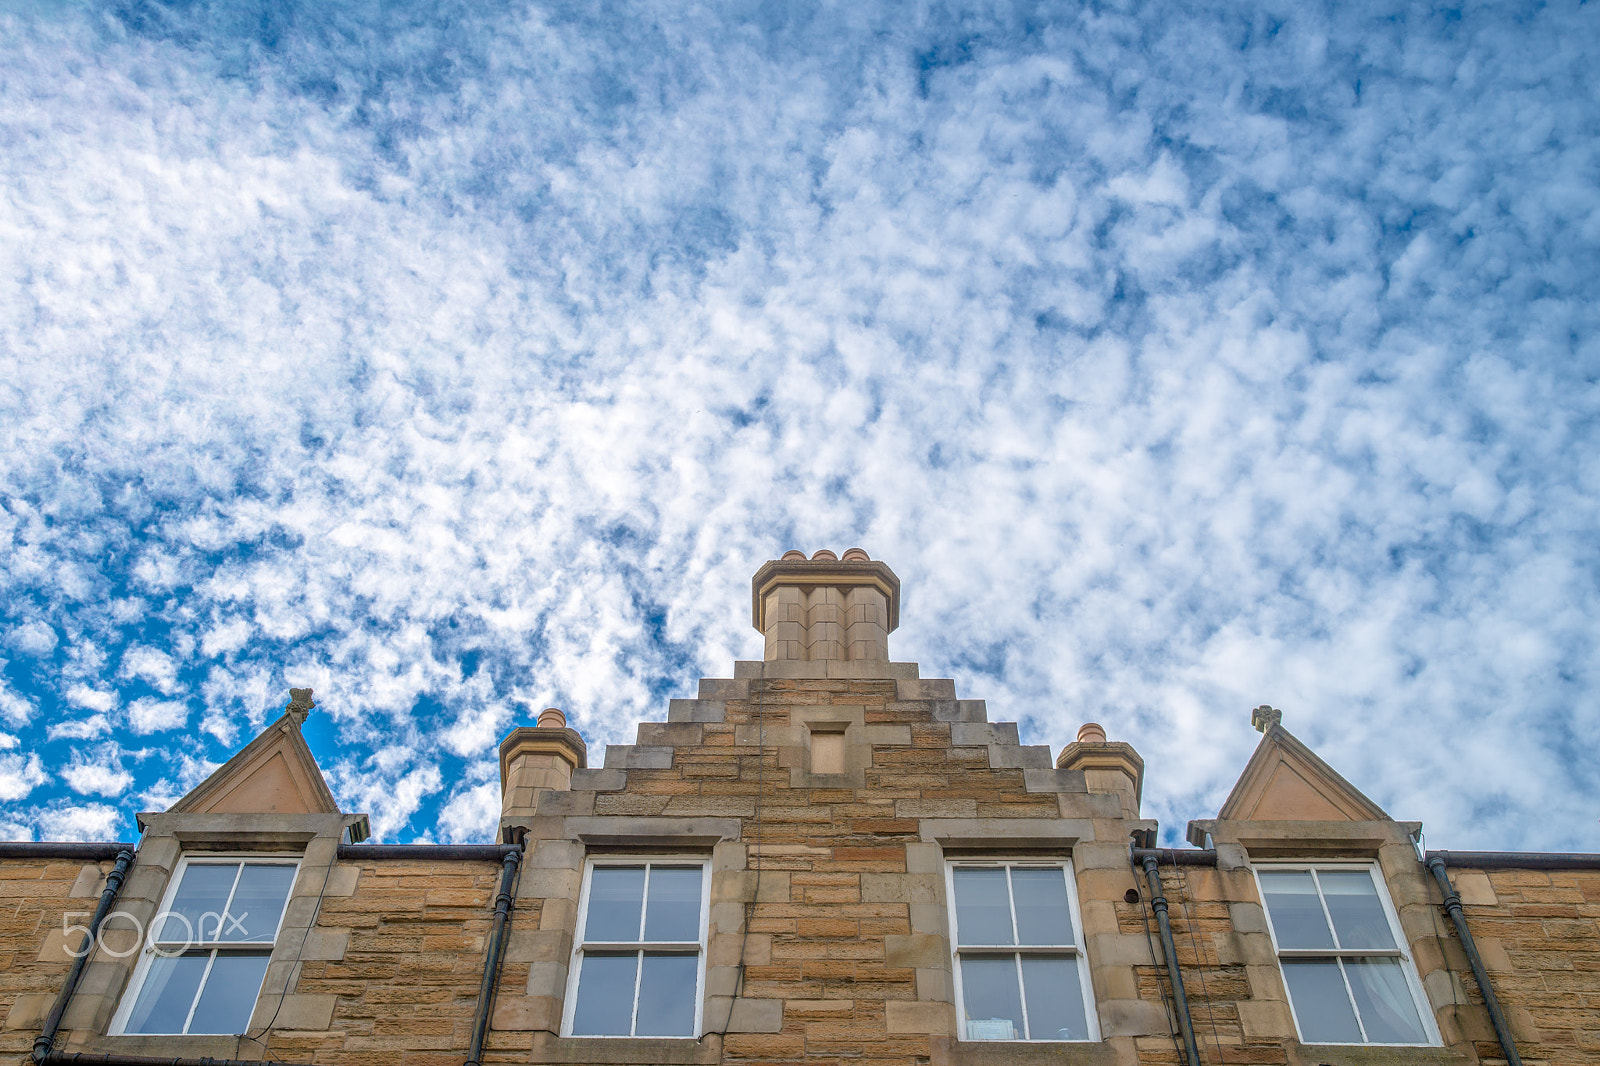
x=460, y=360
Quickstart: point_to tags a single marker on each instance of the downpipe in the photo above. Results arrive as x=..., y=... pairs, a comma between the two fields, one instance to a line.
x=1452, y=904
x=503, y=902
x=1158, y=903
x=52, y=1022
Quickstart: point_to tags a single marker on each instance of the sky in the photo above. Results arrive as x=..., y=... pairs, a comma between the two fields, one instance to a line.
x=458, y=360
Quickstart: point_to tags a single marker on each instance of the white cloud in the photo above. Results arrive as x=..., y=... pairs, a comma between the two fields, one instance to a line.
x=96, y=725
x=88, y=821
x=1171, y=376
x=153, y=666
x=147, y=715
x=32, y=638
x=93, y=699
x=97, y=774
x=20, y=775
x=389, y=788
x=472, y=814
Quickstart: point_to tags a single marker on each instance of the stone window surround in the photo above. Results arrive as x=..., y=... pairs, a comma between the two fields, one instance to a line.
x=613, y=857
x=1048, y=860
x=146, y=956
x=1391, y=846
x=167, y=839
x=1407, y=959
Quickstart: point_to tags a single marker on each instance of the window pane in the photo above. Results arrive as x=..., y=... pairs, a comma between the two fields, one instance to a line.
x=674, y=909
x=230, y=994
x=1358, y=916
x=983, y=910
x=1320, y=1001
x=616, y=895
x=666, y=995
x=168, y=993
x=200, y=901
x=1055, y=998
x=1041, y=898
x=1384, y=1000
x=989, y=998
x=258, y=903
x=1296, y=914
x=605, y=993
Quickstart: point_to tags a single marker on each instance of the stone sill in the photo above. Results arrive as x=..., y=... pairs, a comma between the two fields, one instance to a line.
x=626, y=1051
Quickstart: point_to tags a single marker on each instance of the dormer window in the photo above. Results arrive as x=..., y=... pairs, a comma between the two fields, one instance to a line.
x=208, y=948
x=1349, y=977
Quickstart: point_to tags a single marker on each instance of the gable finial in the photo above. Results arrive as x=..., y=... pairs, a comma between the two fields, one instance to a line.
x=300, y=704
x=1264, y=718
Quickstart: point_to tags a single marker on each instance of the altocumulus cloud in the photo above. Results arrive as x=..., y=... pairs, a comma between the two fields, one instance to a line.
x=1179, y=357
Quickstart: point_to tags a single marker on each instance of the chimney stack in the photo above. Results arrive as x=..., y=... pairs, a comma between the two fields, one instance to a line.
x=1108, y=766
x=535, y=760
x=827, y=607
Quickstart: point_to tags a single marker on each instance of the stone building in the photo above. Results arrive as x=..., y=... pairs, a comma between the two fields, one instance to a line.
x=824, y=858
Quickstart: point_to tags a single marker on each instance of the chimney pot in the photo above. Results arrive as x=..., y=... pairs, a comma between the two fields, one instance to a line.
x=1091, y=733
x=552, y=718
x=856, y=555
x=823, y=555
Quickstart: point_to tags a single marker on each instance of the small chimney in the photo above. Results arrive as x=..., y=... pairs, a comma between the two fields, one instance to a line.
x=827, y=607
x=535, y=760
x=1107, y=766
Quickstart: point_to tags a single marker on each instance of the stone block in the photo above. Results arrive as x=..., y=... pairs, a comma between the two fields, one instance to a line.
x=917, y=950
x=596, y=779
x=1265, y=1020
x=756, y=1016
x=325, y=945
x=88, y=884
x=295, y=1011
x=1053, y=780
x=922, y=1017
x=28, y=1010
x=522, y=1013
x=931, y=688
x=1133, y=1017
x=936, y=983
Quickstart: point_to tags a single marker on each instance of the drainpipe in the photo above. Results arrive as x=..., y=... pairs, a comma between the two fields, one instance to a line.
x=52, y=1021
x=1452, y=904
x=491, y=962
x=1158, y=903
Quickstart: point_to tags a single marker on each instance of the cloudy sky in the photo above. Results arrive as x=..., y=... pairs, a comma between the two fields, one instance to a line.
x=458, y=360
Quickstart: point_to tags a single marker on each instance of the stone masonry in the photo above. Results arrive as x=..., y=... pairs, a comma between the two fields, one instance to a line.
x=829, y=788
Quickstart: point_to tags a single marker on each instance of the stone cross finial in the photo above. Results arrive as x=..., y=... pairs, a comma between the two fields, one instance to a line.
x=1265, y=717
x=300, y=704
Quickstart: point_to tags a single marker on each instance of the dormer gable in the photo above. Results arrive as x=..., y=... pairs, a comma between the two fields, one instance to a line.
x=273, y=774
x=1286, y=781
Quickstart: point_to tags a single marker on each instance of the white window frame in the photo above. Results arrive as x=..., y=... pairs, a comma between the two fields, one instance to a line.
x=1402, y=951
x=149, y=949
x=579, y=945
x=1077, y=951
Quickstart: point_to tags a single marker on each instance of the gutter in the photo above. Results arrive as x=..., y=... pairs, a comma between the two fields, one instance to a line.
x=57, y=849
x=1148, y=858
x=1515, y=860
x=52, y=1022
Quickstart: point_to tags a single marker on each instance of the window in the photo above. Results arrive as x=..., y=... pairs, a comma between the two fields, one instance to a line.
x=208, y=948
x=640, y=959
x=1349, y=980
x=1019, y=973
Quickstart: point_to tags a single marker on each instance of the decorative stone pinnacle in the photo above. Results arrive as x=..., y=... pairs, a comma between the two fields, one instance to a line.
x=300, y=704
x=1264, y=718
